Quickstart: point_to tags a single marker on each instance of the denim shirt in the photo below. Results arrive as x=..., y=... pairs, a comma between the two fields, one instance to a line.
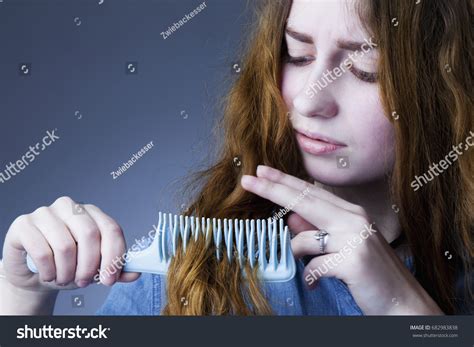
x=331, y=297
x=147, y=296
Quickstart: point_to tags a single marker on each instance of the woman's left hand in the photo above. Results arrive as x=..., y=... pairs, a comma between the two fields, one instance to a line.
x=356, y=252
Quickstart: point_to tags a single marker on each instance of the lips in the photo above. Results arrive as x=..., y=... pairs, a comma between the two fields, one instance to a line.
x=317, y=144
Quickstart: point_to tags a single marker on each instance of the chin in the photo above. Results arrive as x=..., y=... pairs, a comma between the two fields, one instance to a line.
x=325, y=171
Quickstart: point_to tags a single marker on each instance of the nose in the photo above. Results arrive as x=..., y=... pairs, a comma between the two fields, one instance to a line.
x=317, y=96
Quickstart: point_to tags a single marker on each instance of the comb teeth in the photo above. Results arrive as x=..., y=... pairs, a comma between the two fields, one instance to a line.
x=272, y=239
x=233, y=238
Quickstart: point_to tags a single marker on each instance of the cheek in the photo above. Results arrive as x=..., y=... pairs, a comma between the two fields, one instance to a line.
x=290, y=87
x=374, y=136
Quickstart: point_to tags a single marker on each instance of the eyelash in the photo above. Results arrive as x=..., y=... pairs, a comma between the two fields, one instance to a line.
x=298, y=61
x=369, y=77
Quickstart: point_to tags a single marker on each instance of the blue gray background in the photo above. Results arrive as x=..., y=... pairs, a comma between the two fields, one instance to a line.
x=78, y=84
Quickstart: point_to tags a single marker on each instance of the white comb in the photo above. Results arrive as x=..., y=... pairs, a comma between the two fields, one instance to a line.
x=157, y=257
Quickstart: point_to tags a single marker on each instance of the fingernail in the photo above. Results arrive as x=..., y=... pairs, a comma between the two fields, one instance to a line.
x=248, y=180
x=107, y=280
x=82, y=283
x=260, y=169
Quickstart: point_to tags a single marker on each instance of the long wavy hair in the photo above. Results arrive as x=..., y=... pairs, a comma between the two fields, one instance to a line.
x=435, y=104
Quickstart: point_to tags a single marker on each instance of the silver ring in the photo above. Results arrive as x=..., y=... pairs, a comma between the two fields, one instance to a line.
x=322, y=237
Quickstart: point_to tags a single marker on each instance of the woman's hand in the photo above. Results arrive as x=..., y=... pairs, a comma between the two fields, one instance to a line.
x=356, y=252
x=68, y=248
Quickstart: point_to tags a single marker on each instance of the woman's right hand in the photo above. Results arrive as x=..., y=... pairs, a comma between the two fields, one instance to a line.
x=69, y=243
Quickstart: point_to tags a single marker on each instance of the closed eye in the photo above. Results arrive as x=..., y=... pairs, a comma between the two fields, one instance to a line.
x=298, y=61
x=369, y=77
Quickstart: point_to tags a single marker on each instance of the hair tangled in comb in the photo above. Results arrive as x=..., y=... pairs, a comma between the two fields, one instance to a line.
x=256, y=129
x=211, y=286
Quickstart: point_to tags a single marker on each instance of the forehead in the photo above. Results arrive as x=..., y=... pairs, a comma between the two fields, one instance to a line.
x=334, y=19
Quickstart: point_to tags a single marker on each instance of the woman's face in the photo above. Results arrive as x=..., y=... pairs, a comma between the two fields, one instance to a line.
x=329, y=84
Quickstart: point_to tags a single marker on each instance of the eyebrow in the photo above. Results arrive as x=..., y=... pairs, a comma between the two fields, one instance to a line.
x=349, y=45
x=305, y=38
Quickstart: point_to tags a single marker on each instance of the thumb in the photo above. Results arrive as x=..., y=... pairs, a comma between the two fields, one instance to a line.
x=318, y=267
x=129, y=276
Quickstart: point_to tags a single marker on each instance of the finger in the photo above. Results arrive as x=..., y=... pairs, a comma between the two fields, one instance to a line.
x=112, y=246
x=320, y=266
x=296, y=223
x=61, y=242
x=302, y=186
x=40, y=252
x=314, y=209
x=305, y=243
x=31, y=241
x=129, y=276
x=86, y=232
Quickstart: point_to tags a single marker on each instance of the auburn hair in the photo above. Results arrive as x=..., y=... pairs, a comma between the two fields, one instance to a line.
x=435, y=108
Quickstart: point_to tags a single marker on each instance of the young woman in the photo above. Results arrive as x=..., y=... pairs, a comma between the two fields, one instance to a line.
x=351, y=102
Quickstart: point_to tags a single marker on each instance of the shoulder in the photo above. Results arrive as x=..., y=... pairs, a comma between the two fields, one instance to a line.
x=141, y=297
x=464, y=299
